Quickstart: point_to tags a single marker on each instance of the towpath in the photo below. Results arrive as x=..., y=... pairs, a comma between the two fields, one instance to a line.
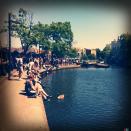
x=17, y=111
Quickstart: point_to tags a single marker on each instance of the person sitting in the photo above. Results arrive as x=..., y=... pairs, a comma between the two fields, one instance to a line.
x=40, y=91
x=30, y=85
x=35, y=68
x=35, y=85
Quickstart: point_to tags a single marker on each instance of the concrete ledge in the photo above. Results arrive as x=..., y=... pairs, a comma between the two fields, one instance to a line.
x=63, y=67
x=18, y=112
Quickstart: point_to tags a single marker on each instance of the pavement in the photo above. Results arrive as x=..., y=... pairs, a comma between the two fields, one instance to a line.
x=17, y=111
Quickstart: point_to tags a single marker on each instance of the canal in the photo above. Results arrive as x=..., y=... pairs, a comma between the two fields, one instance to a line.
x=95, y=99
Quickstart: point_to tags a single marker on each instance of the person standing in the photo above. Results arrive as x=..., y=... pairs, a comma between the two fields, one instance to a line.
x=30, y=66
x=20, y=67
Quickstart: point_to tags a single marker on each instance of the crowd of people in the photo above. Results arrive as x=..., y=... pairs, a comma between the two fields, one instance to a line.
x=32, y=66
x=32, y=69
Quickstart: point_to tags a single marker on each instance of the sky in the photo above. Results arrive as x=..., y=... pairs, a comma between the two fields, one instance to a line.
x=92, y=26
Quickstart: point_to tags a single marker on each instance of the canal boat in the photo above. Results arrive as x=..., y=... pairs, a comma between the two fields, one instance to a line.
x=95, y=65
x=102, y=65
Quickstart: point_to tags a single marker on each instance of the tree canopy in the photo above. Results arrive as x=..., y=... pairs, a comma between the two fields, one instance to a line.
x=118, y=52
x=56, y=37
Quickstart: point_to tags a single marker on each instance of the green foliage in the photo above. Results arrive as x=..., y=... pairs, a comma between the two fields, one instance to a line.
x=106, y=53
x=99, y=54
x=61, y=32
x=73, y=53
x=107, y=50
x=21, y=26
x=91, y=57
x=88, y=57
x=84, y=57
x=56, y=37
x=59, y=49
x=119, y=51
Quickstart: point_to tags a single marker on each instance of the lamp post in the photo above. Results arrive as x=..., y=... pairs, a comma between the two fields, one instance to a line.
x=10, y=22
x=9, y=28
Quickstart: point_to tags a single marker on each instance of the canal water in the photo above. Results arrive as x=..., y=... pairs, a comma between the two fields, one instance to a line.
x=95, y=99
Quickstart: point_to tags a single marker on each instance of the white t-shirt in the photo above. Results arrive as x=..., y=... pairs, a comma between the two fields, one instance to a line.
x=31, y=65
x=19, y=60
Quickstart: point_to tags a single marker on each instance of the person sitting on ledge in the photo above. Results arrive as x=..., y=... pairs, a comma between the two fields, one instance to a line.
x=29, y=85
x=40, y=90
x=36, y=86
x=35, y=68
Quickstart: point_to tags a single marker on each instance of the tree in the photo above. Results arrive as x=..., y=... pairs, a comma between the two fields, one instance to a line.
x=42, y=35
x=73, y=53
x=99, y=55
x=61, y=32
x=118, y=52
x=21, y=25
x=23, y=28
x=91, y=57
x=84, y=57
x=56, y=37
x=59, y=49
x=106, y=53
